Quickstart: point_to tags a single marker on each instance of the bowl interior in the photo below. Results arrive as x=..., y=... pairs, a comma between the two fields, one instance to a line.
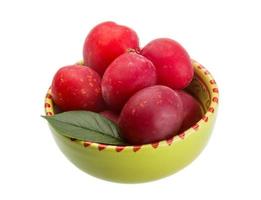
x=199, y=90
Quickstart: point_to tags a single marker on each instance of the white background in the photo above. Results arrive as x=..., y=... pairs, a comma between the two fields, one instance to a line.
x=38, y=37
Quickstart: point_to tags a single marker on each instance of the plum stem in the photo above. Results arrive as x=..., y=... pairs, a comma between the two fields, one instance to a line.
x=131, y=50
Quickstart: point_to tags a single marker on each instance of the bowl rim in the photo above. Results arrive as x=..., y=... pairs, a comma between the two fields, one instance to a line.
x=212, y=89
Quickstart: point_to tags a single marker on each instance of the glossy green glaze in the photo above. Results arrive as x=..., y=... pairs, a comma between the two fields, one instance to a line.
x=133, y=164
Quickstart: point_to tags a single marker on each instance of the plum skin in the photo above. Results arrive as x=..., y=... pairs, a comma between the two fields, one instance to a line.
x=126, y=75
x=77, y=87
x=173, y=64
x=191, y=110
x=114, y=117
x=107, y=41
x=150, y=115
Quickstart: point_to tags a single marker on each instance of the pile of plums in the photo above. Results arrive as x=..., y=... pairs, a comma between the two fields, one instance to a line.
x=140, y=89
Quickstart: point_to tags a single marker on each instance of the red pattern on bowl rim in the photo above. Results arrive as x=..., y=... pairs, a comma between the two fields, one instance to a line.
x=213, y=93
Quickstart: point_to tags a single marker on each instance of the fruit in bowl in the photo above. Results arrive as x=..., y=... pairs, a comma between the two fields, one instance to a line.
x=138, y=107
x=172, y=61
x=151, y=115
x=126, y=75
x=191, y=110
x=76, y=87
x=107, y=41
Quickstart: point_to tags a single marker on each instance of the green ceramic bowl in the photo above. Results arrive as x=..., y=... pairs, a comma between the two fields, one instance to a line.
x=133, y=164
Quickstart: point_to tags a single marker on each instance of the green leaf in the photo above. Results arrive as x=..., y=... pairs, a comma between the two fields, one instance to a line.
x=85, y=125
